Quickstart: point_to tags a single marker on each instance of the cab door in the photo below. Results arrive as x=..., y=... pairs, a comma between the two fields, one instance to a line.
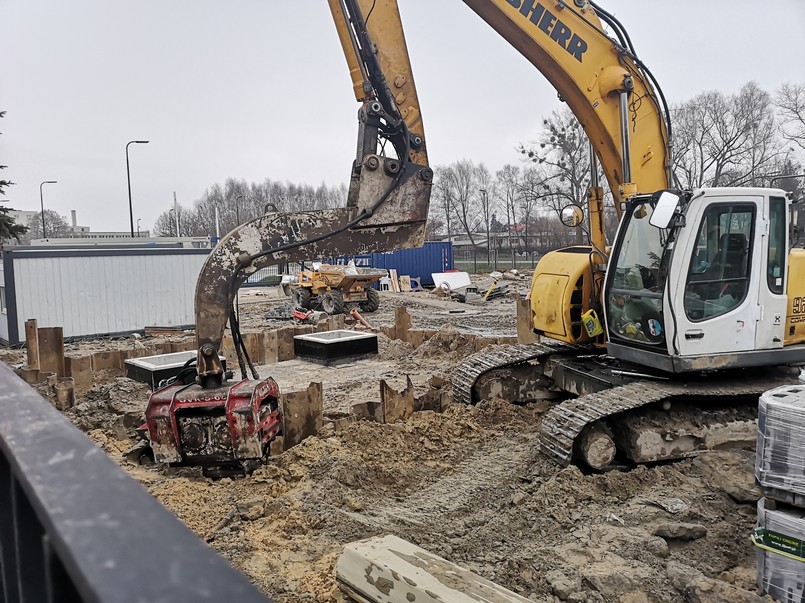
x=714, y=298
x=772, y=281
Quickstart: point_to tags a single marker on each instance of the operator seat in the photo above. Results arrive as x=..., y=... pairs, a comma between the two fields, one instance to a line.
x=732, y=248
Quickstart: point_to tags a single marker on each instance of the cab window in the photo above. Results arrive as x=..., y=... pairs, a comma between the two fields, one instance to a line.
x=718, y=276
x=775, y=270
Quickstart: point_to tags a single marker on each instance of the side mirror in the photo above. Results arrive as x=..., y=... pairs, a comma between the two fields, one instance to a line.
x=664, y=210
x=571, y=215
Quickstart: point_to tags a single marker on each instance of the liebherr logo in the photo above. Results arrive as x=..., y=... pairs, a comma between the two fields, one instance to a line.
x=546, y=21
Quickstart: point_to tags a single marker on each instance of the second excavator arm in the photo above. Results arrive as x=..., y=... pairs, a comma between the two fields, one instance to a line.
x=388, y=198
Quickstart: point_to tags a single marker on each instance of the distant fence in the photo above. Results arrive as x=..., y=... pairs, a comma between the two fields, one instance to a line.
x=271, y=275
x=75, y=527
x=477, y=260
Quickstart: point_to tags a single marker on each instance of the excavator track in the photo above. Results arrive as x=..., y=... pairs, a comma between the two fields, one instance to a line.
x=498, y=357
x=563, y=424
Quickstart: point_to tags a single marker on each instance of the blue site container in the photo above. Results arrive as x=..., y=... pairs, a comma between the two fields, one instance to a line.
x=419, y=263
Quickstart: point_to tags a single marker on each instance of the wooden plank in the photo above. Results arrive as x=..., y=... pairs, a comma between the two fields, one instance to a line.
x=395, y=284
x=389, y=569
x=405, y=284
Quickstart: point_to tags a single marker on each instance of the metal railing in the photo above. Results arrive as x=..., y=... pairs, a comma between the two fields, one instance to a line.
x=75, y=527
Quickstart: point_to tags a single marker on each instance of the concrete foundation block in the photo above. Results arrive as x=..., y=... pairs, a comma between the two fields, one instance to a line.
x=392, y=570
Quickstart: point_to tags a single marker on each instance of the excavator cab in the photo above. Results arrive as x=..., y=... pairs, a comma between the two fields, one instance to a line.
x=707, y=286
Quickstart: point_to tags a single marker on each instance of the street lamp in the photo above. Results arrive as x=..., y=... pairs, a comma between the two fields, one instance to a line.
x=128, y=179
x=42, y=203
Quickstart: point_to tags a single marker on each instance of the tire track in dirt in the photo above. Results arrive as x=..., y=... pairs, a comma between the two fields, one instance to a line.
x=483, y=476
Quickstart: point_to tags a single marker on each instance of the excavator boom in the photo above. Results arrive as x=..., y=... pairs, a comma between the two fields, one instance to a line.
x=387, y=204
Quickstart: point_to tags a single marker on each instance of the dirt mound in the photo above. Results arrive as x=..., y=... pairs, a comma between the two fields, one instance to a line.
x=448, y=344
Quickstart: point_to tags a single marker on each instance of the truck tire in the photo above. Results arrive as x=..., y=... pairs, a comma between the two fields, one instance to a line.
x=332, y=302
x=301, y=297
x=372, y=302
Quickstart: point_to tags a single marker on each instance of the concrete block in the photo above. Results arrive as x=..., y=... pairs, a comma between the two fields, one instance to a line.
x=334, y=347
x=389, y=569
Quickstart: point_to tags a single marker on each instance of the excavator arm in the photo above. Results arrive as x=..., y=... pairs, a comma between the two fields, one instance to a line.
x=388, y=198
x=599, y=77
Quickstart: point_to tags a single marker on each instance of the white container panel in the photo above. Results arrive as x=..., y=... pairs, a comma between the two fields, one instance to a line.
x=96, y=294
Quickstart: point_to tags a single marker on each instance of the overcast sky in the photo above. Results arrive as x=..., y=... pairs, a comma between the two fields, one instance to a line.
x=255, y=89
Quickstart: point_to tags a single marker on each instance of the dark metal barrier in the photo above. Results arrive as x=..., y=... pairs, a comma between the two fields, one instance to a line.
x=75, y=527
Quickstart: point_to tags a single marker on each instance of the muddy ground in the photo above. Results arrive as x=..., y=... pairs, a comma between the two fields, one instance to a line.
x=468, y=484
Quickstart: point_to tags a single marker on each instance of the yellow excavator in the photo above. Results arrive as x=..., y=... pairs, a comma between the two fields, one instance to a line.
x=696, y=282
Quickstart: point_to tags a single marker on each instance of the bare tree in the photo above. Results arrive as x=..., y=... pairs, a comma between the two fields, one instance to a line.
x=56, y=226
x=725, y=140
x=563, y=151
x=237, y=202
x=458, y=185
x=442, y=198
x=532, y=190
x=486, y=201
x=509, y=192
x=790, y=102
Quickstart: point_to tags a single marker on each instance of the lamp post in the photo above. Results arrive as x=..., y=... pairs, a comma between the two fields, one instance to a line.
x=128, y=180
x=486, y=220
x=42, y=203
x=170, y=223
